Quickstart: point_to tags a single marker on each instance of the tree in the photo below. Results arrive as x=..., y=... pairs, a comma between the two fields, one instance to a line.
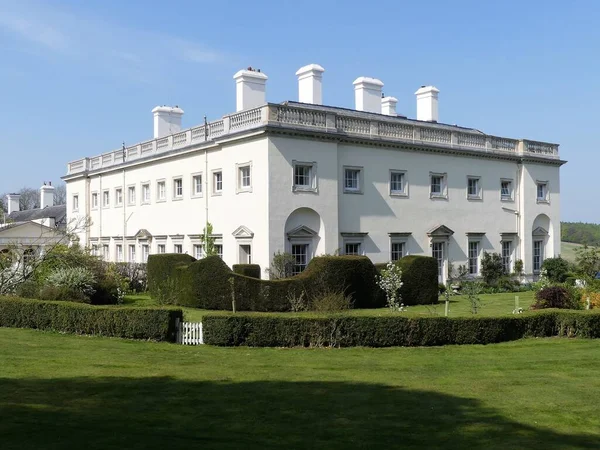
x=208, y=241
x=491, y=268
x=587, y=260
x=30, y=199
x=556, y=269
x=60, y=194
x=282, y=266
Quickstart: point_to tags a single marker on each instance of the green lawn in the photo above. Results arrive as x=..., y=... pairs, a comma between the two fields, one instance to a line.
x=567, y=250
x=64, y=391
x=491, y=305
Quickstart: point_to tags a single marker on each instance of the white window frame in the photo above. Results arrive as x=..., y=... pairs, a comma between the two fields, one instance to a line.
x=474, y=259
x=479, y=194
x=145, y=252
x=510, y=196
x=441, y=262
x=119, y=252
x=178, y=246
x=219, y=250
x=106, y=252
x=394, y=192
x=353, y=239
x=146, y=187
x=161, y=185
x=118, y=198
x=305, y=245
x=75, y=202
x=161, y=247
x=94, y=200
x=546, y=187
x=443, y=194
x=198, y=250
x=540, y=256
x=360, y=180
x=507, y=260
x=402, y=244
x=131, y=253
x=194, y=192
x=130, y=189
x=106, y=198
x=217, y=173
x=177, y=196
x=239, y=169
x=312, y=177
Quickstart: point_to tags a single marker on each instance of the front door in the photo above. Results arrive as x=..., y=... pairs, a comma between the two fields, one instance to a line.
x=437, y=251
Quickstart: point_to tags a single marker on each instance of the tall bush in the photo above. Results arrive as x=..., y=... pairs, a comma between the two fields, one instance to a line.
x=420, y=280
x=556, y=269
x=492, y=268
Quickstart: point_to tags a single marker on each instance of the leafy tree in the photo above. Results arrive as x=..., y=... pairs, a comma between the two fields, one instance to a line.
x=587, y=260
x=491, y=268
x=208, y=241
x=580, y=233
x=556, y=269
x=282, y=266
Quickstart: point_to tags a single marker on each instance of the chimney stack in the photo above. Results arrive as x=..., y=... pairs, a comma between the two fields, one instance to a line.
x=46, y=195
x=12, y=201
x=427, y=103
x=388, y=106
x=310, y=84
x=250, y=89
x=167, y=120
x=367, y=94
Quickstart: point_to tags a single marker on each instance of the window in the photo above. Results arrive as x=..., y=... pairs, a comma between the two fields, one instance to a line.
x=118, y=197
x=473, y=188
x=105, y=199
x=437, y=185
x=105, y=252
x=94, y=200
x=178, y=188
x=538, y=256
x=542, y=191
x=352, y=248
x=506, y=256
x=244, y=182
x=95, y=249
x=119, y=252
x=506, y=190
x=352, y=179
x=145, y=193
x=217, y=182
x=131, y=195
x=161, y=191
x=198, y=251
x=145, y=252
x=76, y=203
x=245, y=254
x=304, y=176
x=219, y=250
x=161, y=248
x=131, y=253
x=197, y=185
x=178, y=248
x=398, y=183
x=300, y=254
x=397, y=251
x=473, y=258
x=437, y=251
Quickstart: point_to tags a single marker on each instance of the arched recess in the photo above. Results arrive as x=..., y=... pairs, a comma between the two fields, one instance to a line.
x=304, y=236
x=541, y=238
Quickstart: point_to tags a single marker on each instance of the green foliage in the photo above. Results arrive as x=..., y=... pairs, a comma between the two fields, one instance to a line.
x=75, y=284
x=491, y=268
x=348, y=331
x=282, y=266
x=205, y=284
x=136, y=275
x=580, y=233
x=133, y=323
x=556, y=269
x=518, y=266
x=249, y=270
x=208, y=241
x=587, y=260
x=420, y=280
x=472, y=289
x=160, y=269
x=332, y=301
x=556, y=297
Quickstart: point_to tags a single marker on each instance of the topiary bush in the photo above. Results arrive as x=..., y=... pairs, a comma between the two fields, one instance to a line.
x=420, y=278
x=160, y=269
x=492, y=268
x=209, y=284
x=556, y=269
x=554, y=297
x=249, y=270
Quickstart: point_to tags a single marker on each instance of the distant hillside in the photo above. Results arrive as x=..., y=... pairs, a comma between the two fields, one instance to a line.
x=580, y=233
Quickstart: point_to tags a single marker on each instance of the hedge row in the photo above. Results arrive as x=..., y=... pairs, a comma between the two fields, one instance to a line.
x=157, y=324
x=248, y=270
x=261, y=331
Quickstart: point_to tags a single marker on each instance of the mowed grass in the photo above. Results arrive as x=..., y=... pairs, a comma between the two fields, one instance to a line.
x=64, y=391
x=459, y=306
x=567, y=250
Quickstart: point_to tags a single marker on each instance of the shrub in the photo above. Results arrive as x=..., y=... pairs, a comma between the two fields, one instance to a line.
x=349, y=331
x=594, y=299
x=133, y=323
x=332, y=301
x=442, y=288
x=136, y=275
x=556, y=269
x=552, y=297
x=390, y=282
x=76, y=283
x=491, y=268
x=282, y=266
x=160, y=268
x=420, y=280
x=249, y=270
x=209, y=285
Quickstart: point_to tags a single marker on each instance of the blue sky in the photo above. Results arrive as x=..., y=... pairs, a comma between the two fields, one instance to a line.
x=79, y=78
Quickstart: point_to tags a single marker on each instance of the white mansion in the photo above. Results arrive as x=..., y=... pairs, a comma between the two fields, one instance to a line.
x=311, y=179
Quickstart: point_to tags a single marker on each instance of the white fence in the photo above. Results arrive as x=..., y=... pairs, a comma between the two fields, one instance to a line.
x=190, y=333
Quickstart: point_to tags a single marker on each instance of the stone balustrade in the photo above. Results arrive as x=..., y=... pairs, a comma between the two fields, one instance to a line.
x=328, y=120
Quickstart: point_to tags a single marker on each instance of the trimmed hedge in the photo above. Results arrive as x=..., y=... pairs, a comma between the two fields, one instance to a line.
x=351, y=331
x=161, y=267
x=157, y=324
x=248, y=270
x=420, y=280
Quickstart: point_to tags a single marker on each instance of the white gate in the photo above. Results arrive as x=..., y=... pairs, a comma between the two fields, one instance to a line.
x=190, y=333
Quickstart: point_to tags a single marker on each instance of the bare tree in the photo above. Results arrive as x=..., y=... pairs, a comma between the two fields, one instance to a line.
x=30, y=199
x=60, y=194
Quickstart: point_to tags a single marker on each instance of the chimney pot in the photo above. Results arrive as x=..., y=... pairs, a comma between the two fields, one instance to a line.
x=12, y=201
x=46, y=196
x=388, y=106
x=167, y=121
x=250, y=88
x=310, y=84
x=427, y=103
x=367, y=94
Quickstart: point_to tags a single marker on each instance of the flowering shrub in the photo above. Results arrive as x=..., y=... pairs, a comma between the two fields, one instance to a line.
x=73, y=282
x=390, y=281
